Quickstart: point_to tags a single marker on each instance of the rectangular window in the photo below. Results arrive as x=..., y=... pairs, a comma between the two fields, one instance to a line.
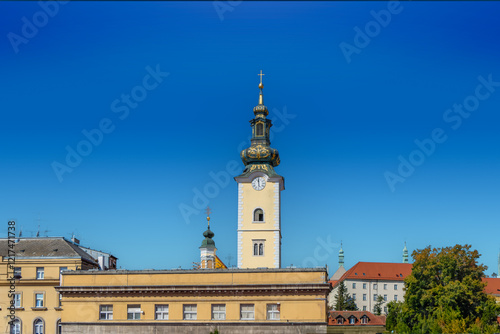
x=17, y=272
x=258, y=247
x=364, y=308
x=385, y=309
x=375, y=286
x=375, y=297
x=106, y=312
x=385, y=286
x=352, y=320
x=395, y=297
x=364, y=296
x=133, y=312
x=38, y=299
x=17, y=300
x=273, y=312
x=189, y=312
x=247, y=312
x=39, y=273
x=60, y=299
x=364, y=286
x=62, y=268
x=161, y=312
x=219, y=312
x=385, y=297
x=395, y=286
x=354, y=296
x=354, y=285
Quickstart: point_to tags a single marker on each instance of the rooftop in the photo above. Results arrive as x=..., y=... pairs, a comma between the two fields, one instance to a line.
x=377, y=271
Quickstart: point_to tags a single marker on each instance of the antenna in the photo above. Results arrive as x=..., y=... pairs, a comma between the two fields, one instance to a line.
x=229, y=257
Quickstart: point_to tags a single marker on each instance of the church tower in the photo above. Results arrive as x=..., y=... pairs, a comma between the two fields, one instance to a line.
x=405, y=254
x=259, y=197
x=341, y=256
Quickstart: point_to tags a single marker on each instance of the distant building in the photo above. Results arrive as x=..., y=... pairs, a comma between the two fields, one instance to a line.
x=492, y=287
x=341, y=270
x=354, y=322
x=37, y=268
x=366, y=280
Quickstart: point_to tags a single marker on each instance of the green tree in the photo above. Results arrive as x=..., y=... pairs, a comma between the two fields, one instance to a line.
x=445, y=294
x=377, y=309
x=344, y=301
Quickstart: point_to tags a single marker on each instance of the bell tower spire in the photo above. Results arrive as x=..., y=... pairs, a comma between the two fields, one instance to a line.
x=405, y=254
x=207, y=248
x=259, y=196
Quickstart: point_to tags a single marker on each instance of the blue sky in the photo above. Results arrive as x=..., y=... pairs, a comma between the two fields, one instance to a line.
x=344, y=122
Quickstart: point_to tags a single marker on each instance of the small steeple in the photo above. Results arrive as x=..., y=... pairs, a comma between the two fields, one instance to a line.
x=261, y=86
x=405, y=254
x=207, y=248
x=341, y=256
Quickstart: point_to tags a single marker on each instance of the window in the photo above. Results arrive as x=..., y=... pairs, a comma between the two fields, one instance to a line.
x=375, y=297
x=354, y=285
x=395, y=286
x=17, y=300
x=364, y=319
x=258, y=247
x=59, y=299
x=133, y=312
x=385, y=309
x=219, y=312
x=375, y=286
x=354, y=296
x=106, y=312
x=364, y=296
x=161, y=312
x=17, y=275
x=39, y=273
x=59, y=327
x=38, y=299
x=62, y=268
x=38, y=326
x=364, y=286
x=258, y=215
x=340, y=320
x=273, y=312
x=364, y=308
x=15, y=326
x=352, y=320
x=247, y=312
x=385, y=297
x=385, y=286
x=395, y=297
x=189, y=312
x=260, y=129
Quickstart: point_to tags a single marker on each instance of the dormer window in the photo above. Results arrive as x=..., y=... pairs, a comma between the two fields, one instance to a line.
x=364, y=319
x=352, y=320
x=340, y=320
x=258, y=215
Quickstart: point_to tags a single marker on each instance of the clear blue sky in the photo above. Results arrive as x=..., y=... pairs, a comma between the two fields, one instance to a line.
x=342, y=121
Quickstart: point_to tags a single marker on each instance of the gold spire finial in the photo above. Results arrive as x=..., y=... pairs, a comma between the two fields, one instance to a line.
x=261, y=85
x=208, y=211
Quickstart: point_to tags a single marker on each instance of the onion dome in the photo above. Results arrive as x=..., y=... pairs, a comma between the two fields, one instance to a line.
x=208, y=234
x=260, y=156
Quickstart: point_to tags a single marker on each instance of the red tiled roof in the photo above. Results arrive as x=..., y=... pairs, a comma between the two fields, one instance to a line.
x=373, y=319
x=378, y=271
x=492, y=286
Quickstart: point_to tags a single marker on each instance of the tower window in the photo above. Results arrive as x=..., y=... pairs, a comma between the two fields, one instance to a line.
x=258, y=215
x=258, y=247
x=260, y=129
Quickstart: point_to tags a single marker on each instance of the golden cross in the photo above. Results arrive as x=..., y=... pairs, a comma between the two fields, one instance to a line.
x=260, y=76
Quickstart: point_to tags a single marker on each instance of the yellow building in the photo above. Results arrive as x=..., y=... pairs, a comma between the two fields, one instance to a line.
x=195, y=301
x=259, y=197
x=37, y=268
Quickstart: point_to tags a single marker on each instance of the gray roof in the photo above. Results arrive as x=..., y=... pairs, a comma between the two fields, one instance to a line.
x=45, y=247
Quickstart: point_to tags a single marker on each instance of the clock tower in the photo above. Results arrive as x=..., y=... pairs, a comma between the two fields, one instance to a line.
x=259, y=197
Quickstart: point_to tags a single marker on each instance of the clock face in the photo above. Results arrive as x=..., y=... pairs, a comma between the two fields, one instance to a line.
x=259, y=183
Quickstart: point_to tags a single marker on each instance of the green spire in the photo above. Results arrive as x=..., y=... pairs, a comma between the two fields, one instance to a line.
x=341, y=256
x=208, y=242
x=405, y=254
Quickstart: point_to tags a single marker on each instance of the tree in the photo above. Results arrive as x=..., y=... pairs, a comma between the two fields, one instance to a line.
x=445, y=294
x=343, y=301
x=377, y=309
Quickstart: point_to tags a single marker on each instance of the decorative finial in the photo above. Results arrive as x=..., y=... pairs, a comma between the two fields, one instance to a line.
x=261, y=85
x=208, y=211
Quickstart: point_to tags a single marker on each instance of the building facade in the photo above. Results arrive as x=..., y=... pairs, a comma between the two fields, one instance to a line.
x=195, y=301
x=38, y=265
x=365, y=281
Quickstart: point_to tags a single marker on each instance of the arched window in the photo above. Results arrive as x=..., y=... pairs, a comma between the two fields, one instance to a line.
x=58, y=327
x=38, y=326
x=260, y=129
x=261, y=249
x=258, y=215
x=15, y=327
x=255, y=249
